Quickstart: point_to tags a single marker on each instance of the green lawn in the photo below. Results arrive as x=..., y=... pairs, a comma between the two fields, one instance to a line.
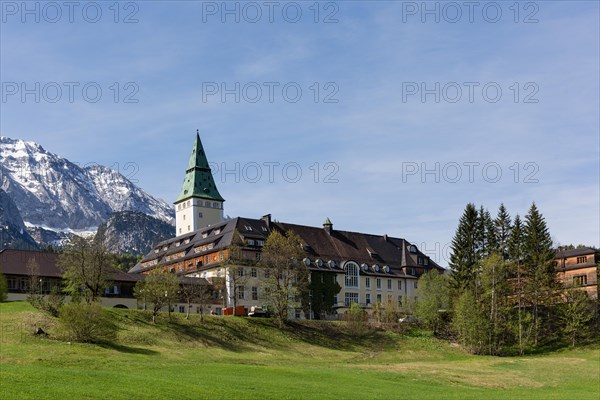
x=240, y=358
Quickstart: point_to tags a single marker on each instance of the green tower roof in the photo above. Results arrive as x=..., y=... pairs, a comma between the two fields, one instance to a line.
x=198, y=180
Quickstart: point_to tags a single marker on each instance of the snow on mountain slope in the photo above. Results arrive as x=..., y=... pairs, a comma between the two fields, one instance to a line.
x=53, y=192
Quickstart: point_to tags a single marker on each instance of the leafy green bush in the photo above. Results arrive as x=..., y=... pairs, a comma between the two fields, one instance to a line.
x=356, y=318
x=87, y=323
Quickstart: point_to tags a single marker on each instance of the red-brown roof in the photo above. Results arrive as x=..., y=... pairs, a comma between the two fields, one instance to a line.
x=15, y=262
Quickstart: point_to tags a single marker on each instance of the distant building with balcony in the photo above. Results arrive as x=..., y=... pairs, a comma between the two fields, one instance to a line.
x=579, y=268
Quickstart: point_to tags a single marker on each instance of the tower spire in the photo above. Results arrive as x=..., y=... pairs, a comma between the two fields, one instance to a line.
x=199, y=203
x=198, y=181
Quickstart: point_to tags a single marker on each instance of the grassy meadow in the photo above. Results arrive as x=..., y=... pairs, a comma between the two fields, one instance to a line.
x=242, y=358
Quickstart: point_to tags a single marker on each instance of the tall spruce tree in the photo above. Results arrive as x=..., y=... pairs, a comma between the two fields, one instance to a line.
x=503, y=227
x=490, y=243
x=540, y=283
x=465, y=255
x=516, y=255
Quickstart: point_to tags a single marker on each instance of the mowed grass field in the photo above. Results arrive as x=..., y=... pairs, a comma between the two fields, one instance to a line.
x=242, y=358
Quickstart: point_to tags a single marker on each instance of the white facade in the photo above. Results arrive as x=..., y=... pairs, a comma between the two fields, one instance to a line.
x=195, y=213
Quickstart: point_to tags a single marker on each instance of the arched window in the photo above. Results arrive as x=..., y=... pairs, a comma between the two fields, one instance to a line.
x=351, y=269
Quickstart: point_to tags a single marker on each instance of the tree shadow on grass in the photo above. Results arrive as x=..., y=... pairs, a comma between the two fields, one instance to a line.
x=128, y=349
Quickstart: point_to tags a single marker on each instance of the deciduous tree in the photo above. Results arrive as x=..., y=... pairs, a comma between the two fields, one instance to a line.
x=87, y=266
x=433, y=298
x=288, y=276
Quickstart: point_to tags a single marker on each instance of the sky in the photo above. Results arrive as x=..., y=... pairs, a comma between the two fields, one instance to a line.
x=388, y=117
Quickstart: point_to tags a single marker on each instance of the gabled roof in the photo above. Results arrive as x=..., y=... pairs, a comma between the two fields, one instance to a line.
x=362, y=248
x=15, y=262
x=198, y=181
x=338, y=246
x=575, y=252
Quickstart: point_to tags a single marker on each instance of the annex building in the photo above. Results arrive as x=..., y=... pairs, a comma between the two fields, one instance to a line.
x=370, y=269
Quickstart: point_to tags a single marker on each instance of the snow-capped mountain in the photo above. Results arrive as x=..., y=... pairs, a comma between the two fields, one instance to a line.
x=12, y=229
x=133, y=232
x=53, y=193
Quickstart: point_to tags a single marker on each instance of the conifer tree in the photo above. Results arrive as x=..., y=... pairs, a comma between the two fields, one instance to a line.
x=503, y=227
x=490, y=243
x=540, y=283
x=465, y=255
x=516, y=255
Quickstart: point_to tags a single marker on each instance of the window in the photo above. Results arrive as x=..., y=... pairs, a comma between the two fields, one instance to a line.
x=240, y=292
x=379, y=298
x=179, y=230
x=217, y=231
x=188, y=203
x=12, y=284
x=253, y=273
x=426, y=261
x=258, y=256
x=416, y=284
x=581, y=260
x=211, y=245
x=580, y=280
x=215, y=204
x=189, y=228
x=335, y=299
x=221, y=256
x=399, y=284
x=254, y=293
x=368, y=282
x=400, y=300
x=181, y=309
x=413, y=248
x=389, y=283
x=378, y=283
x=204, y=235
x=250, y=242
x=351, y=274
x=350, y=298
x=368, y=298
x=241, y=272
x=207, y=204
x=420, y=260
x=199, y=215
x=260, y=243
x=184, y=217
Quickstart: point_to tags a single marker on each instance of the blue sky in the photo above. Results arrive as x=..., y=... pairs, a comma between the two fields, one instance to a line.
x=541, y=134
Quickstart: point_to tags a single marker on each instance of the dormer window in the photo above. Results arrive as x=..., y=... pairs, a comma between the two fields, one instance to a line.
x=204, y=235
x=217, y=231
x=413, y=248
x=250, y=242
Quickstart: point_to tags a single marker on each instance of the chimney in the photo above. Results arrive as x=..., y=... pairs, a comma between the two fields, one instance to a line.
x=385, y=237
x=328, y=226
x=267, y=219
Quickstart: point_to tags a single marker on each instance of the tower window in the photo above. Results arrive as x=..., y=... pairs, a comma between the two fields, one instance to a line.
x=207, y=203
x=215, y=205
x=199, y=215
x=184, y=217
